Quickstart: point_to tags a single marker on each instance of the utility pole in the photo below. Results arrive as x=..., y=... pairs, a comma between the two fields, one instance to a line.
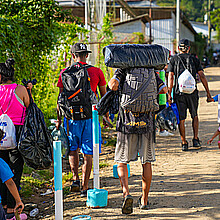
x=86, y=14
x=150, y=23
x=177, y=24
x=95, y=10
x=209, y=23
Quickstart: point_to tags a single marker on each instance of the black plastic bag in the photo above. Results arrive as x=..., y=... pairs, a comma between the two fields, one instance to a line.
x=136, y=55
x=35, y=143
x=109, y=102
x=166, y=119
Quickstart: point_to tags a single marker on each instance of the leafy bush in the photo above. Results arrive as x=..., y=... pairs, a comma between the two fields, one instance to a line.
x=36, y=34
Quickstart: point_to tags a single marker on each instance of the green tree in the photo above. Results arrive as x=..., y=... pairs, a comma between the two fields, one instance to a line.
x=193, y=9
x=36, y=34
x=200, y=45
x=215, y=20
x=105, y=37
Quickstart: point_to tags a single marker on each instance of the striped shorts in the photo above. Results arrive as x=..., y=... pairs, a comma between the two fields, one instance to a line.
x=129, y=145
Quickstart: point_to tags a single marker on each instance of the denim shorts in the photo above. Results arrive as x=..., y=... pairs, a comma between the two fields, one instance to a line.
x=80, y=135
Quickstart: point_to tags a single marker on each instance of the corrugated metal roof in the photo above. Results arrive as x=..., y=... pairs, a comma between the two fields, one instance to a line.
x=71, y=3
x=133, y=3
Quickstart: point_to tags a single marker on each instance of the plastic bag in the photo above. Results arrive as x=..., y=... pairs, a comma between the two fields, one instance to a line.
x=166, y=119
x=175, y=110
x=187, y=83
x=109, y=102
x=136, y=55
x=60, y=135
x=35, y=143
x=9, y=139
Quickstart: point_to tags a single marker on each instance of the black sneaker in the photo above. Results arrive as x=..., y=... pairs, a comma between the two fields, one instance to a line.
x=196, y=142
x=185, y=147
x=75, y=187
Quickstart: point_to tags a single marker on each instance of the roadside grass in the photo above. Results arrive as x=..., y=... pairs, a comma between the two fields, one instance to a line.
x=33, y=180
x=31, y=185
x=67, y=177
x=103, y=164
x=111, y=142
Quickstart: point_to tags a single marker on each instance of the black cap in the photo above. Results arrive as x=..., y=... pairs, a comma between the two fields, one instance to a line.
x=80, y=48
x=184, y=43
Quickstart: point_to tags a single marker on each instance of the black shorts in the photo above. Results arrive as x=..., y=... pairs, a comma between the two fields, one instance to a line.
x=187, y=101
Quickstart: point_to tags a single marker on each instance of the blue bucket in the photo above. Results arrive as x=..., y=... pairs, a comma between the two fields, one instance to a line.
x=97, y=198
x=115, y=170
x=82, y=217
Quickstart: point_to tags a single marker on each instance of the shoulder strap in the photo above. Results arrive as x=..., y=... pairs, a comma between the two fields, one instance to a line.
x=181, y=61
x=87, y=66
x=139, y=91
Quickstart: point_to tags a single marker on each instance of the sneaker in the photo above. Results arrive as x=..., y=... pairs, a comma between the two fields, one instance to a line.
x=185, y=147
x=165, y=133
x=196, y=142
x=75, y=187
x=127, y=207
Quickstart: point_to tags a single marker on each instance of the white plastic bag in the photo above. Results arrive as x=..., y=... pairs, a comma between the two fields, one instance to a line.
x=9, y=139
x=187, y=83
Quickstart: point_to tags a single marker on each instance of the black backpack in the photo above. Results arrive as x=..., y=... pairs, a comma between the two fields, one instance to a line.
x=139, y=91
x=75, y=102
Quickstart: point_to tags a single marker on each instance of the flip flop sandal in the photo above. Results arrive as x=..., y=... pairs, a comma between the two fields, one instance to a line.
x=127, y=207
x=143, y=207
x=22, y=216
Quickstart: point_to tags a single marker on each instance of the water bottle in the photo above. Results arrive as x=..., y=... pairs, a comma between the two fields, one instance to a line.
x=34, y=212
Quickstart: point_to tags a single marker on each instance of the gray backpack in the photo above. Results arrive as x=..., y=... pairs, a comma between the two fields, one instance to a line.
x=139, y=92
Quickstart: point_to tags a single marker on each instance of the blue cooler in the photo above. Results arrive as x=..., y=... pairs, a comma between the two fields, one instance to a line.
x=97, y=198
x=82, y=217
x=115, y=170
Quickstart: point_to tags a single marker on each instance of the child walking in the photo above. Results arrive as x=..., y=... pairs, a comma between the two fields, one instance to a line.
x=217, y=133
x=6, y=177
x=213, y=137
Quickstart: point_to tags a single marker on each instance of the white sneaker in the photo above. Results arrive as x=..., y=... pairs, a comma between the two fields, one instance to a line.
x=165, y=133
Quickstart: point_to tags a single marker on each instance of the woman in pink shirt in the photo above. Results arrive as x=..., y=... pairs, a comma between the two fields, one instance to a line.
x=14, y=100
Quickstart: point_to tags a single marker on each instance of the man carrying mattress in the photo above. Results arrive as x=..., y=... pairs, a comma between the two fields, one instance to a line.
x=135, y=126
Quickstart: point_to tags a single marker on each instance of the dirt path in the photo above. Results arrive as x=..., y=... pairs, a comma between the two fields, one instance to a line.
x=185, y=185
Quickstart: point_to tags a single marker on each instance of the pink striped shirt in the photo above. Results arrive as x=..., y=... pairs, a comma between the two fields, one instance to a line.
x=10, y=105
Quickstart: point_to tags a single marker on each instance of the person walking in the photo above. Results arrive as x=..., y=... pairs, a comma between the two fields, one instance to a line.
x=177, y=66
x=80, y=130
x=136, y=134
x=14, y=100
x=6, y=177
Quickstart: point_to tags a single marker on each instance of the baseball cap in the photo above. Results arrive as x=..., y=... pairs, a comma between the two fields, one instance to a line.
x=80, y=48
x=184, y=43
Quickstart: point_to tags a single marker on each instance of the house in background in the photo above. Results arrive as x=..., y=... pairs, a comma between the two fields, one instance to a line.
x=124, y=30
x=203, y=28
x=133, y=16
